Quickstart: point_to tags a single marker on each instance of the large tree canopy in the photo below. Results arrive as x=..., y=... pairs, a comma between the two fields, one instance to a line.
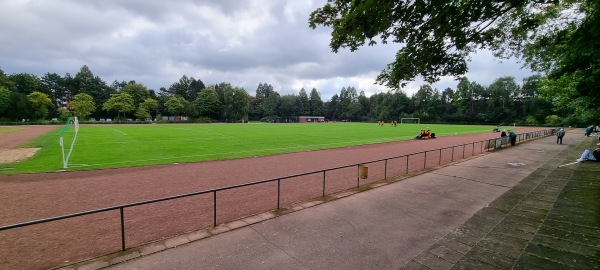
x=121, y=103
x=438, y=36
x=571, y=59
x=40, y=103
x=208, y=103
x=83, y=105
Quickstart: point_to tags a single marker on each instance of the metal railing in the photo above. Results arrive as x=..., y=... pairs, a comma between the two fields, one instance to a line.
x=483, y=145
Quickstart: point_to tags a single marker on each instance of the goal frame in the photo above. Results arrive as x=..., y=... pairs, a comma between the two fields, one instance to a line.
x=411, y=118
x=71, y=121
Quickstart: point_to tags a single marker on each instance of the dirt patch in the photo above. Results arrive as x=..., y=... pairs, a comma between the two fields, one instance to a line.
x=21, y=135
x=17, y=154
x=12, y=137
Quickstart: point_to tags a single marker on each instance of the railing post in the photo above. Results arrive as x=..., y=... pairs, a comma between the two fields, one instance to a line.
x=452, y=153
x=473, y=153
x=358, y=175
x=440, y=161
x=122, y=229
x=385, y=170
x=278, y=192
x=425, y=161
x=215, y=208
x=463, y=151
x=407, y=163
x=324, y=183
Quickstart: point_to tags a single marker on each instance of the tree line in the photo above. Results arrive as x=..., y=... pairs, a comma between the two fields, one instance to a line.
x=26, y=96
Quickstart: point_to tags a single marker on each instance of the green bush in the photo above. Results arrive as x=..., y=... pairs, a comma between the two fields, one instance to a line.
x=530, y=121
x=553, y=120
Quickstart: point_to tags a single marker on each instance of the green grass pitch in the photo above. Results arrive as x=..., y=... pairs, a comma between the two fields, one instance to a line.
x=137, y=145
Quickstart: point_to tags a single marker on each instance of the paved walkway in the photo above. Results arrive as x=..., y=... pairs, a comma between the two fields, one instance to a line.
x=550, y=220
x=513, y=208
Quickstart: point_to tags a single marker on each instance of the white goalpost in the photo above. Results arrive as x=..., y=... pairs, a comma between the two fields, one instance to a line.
x=410, y=120
x=75, y=122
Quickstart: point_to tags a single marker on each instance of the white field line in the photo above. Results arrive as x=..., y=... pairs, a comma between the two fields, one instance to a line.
x=120, y=131
x=66, y=161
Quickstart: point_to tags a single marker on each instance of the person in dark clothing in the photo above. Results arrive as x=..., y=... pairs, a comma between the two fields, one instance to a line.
x=588, y=131
x=513, y=137
x=559, y=135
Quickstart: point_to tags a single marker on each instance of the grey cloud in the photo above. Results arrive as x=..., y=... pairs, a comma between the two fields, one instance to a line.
x=156, y=42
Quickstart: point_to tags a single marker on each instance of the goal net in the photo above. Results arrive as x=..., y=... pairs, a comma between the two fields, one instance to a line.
x=410, y=120
x=68, y=136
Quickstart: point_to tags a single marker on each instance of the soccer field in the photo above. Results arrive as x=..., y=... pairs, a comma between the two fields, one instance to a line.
x=137, y=145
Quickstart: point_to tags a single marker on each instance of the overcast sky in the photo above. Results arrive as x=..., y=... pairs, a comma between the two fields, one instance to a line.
x=243, y=42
